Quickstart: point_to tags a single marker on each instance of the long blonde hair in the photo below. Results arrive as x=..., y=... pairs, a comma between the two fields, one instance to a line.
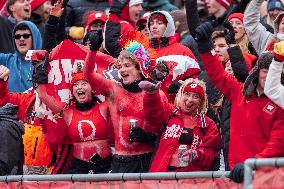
x=204, y=104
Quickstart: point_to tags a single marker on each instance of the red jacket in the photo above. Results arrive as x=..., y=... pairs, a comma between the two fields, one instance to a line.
x=206, y=139
x=256, y=128
x=23, y=100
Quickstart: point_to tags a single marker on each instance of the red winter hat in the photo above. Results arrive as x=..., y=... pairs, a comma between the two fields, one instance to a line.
x=78, y=76
x=196, y=88
x=97, y=15
x=225, y=3
x=249, y=58
x=239, y=16
x=160, y=17
x=36, y=3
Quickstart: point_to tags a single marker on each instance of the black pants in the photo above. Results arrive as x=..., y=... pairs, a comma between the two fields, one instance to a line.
x=131, y=164
x=82, y=167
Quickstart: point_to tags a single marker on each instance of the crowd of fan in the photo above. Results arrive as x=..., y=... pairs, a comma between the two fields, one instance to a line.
x=166, y=85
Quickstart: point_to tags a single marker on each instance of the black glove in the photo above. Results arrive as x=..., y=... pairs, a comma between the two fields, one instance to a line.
x=160, y=71
x=174, y=87
x=95, y=39
x=203, y=37
x=40, y=75
x=237, y=174
x=139, y=135
x=230, y=33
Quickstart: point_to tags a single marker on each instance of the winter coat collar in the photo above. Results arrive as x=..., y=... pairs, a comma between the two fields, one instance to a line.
x=157, y=43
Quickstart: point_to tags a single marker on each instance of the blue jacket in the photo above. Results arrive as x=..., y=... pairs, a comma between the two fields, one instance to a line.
x=20, y=69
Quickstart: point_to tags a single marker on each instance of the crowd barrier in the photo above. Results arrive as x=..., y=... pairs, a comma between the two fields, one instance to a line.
x=264, y=173
x=195, y=180
x=259, y=173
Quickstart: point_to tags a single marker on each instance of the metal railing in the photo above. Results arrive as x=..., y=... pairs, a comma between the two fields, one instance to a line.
x=251, y=164
x=116, y=176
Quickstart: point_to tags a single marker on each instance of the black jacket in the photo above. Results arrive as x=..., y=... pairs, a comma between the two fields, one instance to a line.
x=11, y=146
x=6, y=39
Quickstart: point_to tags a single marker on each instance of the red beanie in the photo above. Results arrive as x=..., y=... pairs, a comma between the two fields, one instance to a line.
x=36, y=3
x=78, y=76
x=239, y=16
x=249, y=58
x=196, y=88
x=159, y=17
x=225, y=3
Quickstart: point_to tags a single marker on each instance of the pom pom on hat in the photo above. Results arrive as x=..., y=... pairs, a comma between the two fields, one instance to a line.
x=225, y=3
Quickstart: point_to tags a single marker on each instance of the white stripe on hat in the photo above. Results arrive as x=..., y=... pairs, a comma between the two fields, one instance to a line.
x=135, y=2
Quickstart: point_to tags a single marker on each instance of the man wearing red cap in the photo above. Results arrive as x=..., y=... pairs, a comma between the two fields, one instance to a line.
x=96, y=20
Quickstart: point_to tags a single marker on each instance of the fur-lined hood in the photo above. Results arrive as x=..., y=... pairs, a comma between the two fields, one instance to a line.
x=251, y=82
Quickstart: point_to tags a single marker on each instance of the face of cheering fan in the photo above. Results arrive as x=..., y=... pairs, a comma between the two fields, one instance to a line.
x=128, y=71
x=82, y=91
x=157, y=28
x=238, y=28
x=134, y=12
x=189, y=103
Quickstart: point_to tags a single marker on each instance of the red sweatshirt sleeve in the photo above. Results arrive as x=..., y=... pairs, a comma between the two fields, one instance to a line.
x=226, y=83
x=98, y=83
x=275, y=145
x=156, y=110
x=53, y=104
x=23, y=100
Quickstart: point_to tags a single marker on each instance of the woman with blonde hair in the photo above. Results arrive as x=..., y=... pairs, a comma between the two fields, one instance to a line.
x=190, y=140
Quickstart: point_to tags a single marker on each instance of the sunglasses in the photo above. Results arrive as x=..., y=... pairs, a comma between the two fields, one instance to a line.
x=25, y=36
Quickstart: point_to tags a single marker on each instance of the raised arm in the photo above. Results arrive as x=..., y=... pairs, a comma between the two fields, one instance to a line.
x=273, y=87
x=192, y=16
x=226, y=83
x=56, y=106
x=257, y=33
x=51, y=27
x=237, y=60
x=156, y=109
x=40, y=79
x=98, y=83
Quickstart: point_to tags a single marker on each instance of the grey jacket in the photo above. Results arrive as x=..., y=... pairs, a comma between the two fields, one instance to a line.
x=257, y=33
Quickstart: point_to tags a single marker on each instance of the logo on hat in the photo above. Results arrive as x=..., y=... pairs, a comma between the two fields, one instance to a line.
x=193, y=85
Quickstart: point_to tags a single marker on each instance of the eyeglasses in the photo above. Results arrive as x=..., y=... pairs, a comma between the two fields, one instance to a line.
x=25, y=36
